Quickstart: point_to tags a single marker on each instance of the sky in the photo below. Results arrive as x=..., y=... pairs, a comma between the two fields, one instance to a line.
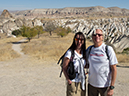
x=43, y=4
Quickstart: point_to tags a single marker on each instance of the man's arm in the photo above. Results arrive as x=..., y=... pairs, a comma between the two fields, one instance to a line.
x=113, y=79
x=114, y=73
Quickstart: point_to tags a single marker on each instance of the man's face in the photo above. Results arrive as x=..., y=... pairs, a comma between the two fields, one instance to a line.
x=97, y=37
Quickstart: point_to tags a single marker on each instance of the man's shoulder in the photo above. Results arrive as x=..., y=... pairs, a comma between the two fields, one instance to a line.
x=89, y=47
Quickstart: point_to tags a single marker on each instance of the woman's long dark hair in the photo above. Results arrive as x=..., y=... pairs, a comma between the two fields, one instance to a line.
x=83, y=47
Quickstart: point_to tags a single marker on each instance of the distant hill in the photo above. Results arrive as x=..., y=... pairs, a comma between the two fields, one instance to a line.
x=97, y=11
x=116, y=29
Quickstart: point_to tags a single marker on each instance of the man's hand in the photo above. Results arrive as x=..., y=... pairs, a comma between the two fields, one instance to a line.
x=110, y=92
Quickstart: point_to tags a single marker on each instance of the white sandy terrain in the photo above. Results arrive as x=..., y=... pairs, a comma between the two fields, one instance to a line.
x=25, y=76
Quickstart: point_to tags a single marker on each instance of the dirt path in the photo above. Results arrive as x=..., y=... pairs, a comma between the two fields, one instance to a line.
x=25, y=76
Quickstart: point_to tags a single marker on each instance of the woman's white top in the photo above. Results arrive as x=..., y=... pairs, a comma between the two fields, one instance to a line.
x=79, y=64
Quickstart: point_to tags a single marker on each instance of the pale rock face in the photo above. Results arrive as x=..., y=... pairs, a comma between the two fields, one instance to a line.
x=116, y=30
x=37, y=23
x=8, y=26
x=5, y=15
x=1, y=31
x=19, y=22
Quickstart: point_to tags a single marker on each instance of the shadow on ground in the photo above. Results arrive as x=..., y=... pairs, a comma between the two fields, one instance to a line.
x=122, y=66
x=18, y=42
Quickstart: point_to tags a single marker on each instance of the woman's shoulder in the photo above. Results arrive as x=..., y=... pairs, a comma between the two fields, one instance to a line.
x=68, y=52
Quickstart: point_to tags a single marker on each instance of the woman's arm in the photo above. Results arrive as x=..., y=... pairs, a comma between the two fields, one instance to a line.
x=65, y=66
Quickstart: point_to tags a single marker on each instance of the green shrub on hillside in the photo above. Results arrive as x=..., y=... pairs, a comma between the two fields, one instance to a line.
x=62, y=31
x=17, y=32
x=49, y=27
x=126, y=51
x=28, y=32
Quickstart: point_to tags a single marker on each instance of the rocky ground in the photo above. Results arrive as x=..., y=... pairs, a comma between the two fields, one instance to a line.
x=25, y=76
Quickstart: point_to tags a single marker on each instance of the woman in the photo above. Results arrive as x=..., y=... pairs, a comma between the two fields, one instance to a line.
x=76, y=86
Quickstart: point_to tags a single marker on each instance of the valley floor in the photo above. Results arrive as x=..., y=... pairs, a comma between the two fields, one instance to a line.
x=25, y=76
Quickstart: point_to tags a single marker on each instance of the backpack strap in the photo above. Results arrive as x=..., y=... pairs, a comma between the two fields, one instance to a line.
x=62, y=59
x=61, y=64
x=89, y=50
x=87, y=56
x=106, y=50
x=72, y=55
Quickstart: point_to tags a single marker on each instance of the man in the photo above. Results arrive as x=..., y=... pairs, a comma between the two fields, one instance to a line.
x=102, y=71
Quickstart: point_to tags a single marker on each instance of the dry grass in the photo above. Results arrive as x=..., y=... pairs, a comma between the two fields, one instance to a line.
x=48, y=48
x=6, y=52
x=123, y=58
x=44, y=48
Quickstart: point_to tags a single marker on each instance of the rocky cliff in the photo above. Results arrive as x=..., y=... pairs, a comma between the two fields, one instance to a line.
x=5, y=15
x=116, y=30
x=97, y=11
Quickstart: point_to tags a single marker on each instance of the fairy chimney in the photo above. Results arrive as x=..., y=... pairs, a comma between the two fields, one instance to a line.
x=5, y=14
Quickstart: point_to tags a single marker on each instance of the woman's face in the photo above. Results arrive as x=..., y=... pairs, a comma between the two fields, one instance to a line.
x=79, y=40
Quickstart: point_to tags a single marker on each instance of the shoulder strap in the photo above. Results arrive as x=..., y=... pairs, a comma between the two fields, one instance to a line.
x=61, y=64
x=87, y=56
x=90, y=50
x=106, y=50
x=72, y=55
x=62, y=58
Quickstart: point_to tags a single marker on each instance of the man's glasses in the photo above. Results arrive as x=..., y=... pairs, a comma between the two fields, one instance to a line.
x=98, y=35
x=77, y=39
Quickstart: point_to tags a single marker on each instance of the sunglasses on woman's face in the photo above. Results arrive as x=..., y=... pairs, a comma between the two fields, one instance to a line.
x=98, y=35
x=77, y=39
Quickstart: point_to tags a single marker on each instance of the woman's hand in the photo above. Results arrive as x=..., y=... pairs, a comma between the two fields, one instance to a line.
x=69, y=81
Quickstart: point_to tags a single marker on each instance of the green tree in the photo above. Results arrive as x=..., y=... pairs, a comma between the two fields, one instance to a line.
x=69, y=30
x=49, y=27
x=62, y=31
x=28, y=32
x=39, y=30
x=17, y=32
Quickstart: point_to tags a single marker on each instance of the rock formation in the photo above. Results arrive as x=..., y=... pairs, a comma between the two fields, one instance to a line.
x=5, y=15
x=97, y=11
x=116, y=30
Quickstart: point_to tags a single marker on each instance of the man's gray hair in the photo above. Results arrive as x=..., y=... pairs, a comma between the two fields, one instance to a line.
x=94, y=32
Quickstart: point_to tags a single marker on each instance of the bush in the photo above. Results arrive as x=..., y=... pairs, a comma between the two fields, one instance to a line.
x=17, y=32
x=126, y=51
x=49, y=27
x=28, y=31
x=62, y=31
